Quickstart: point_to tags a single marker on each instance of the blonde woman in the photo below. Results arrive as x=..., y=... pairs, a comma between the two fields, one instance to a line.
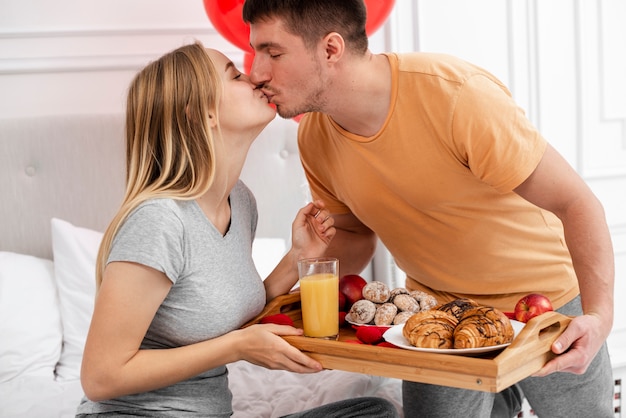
x=175, y=275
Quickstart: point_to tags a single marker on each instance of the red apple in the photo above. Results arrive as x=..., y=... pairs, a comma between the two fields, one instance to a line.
x=342, y=301
x=351, y=285
x=342, y=318
x=530, y=306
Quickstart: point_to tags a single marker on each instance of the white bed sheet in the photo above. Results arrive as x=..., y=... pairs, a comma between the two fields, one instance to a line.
x=257, y=392
x=39, y=397
x=263, y=393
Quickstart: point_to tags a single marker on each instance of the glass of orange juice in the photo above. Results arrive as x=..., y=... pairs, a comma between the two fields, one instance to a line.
x=319, y=297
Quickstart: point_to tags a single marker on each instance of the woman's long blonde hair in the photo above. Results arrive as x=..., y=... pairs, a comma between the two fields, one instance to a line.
x=169, y=141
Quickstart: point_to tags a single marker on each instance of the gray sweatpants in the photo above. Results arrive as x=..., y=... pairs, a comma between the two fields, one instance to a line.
x=557, y=395
x=351, y=408
x=365, y=407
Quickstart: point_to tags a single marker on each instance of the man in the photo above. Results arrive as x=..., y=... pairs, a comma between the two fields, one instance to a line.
x=431, y=155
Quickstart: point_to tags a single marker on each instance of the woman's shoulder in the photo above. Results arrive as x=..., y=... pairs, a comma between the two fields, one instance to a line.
x=241, y=190
x=159, y=211
x=158, y=205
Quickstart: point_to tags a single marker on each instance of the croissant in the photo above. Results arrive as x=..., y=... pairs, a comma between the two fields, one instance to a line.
x=430, y=329
x=458, y=307
x=483, y=326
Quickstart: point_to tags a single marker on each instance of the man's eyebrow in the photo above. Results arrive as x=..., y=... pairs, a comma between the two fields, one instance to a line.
x=266, y=45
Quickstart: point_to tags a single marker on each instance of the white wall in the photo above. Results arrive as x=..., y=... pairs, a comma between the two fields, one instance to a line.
x=563, y=60
x=74, y=56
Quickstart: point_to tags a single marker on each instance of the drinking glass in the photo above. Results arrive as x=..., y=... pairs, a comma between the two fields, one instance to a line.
x=319, y=297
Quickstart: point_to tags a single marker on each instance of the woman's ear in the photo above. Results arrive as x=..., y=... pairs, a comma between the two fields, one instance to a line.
x=212, y=117
x=212, y=120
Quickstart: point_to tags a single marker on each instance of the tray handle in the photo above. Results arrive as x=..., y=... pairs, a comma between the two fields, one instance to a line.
x=289, y=304
x=537, y=336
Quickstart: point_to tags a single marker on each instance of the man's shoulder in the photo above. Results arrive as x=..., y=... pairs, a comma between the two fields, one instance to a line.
x=434, y=64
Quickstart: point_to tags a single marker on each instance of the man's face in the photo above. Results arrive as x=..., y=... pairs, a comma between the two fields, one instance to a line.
x=292, y=76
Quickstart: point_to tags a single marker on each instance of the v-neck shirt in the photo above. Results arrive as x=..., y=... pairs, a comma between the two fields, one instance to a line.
x=216, y=289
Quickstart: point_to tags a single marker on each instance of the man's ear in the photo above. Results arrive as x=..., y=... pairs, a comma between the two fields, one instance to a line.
x=334, y=47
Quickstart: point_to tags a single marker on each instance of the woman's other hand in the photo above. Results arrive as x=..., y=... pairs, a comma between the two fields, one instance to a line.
x=312, y=230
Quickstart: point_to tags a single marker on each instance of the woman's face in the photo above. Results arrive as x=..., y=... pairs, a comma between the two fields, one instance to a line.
x=243, y=107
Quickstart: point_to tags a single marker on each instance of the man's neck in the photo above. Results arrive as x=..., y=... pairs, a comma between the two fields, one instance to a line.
x=361, y=104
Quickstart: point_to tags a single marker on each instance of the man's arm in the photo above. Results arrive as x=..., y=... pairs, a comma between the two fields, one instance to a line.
x=354, y=244
x=556, y=187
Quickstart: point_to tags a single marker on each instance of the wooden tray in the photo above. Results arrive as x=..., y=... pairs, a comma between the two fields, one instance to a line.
x=491, y=372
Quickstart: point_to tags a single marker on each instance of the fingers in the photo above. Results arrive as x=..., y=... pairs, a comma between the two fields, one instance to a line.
x=321, y=215
x=558, y=363
x=562, y=343
x=283, y=329
x=299, y=362
x=305, y=365
x=575, y=348
x=284, y=356
x=297, y=365
x=549, y=368
x=312, y=230
x=571, y=362
x=314, y=210
x=318, y=218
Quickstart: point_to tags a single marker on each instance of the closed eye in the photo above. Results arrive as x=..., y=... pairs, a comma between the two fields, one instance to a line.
x=230, y=67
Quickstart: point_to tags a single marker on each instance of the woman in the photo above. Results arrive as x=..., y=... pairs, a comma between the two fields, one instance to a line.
x=175, y=275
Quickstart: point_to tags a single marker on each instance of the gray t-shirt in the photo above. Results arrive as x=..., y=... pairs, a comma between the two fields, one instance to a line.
x=216, y=289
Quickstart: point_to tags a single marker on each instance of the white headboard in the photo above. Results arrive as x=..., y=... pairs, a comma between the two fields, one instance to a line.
x=72, y=168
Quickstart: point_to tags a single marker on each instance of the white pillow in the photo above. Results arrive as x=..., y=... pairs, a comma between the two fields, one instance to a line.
x=75, y=250
x=30, y=322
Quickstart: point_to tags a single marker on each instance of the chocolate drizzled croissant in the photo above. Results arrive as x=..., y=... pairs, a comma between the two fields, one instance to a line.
x=458, y=307
x=483, y=326
x=430, y=329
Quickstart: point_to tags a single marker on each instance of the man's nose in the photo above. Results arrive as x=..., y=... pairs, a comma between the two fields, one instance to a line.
x=257, y=75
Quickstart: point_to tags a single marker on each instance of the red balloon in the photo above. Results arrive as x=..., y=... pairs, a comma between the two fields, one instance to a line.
x=225, y=15
x=247, y=62
x=377, y=13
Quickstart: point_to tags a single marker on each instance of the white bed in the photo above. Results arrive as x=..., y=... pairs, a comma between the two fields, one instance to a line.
x=71, y=169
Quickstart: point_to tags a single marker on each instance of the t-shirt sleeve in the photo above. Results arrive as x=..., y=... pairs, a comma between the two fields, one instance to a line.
x=493, y=136
x=251, y=207
x=152, y=236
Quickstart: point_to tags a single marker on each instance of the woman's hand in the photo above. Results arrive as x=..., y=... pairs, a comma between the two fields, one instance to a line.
x=262, y=345
x=312, y=230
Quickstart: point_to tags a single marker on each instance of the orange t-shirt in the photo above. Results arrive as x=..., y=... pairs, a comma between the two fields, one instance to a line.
x=436, y=185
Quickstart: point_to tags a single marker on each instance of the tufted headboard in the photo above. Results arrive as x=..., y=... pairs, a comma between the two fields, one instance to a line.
x=72, y=168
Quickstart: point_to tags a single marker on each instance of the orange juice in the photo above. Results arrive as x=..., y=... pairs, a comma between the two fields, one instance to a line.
x=319, y=296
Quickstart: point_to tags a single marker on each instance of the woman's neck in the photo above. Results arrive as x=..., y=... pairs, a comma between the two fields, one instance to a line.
x=216, y=207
